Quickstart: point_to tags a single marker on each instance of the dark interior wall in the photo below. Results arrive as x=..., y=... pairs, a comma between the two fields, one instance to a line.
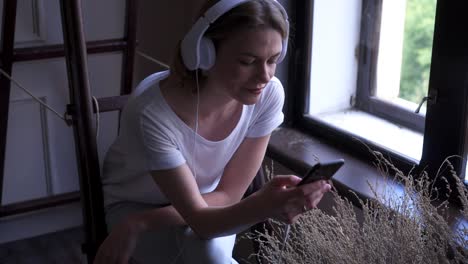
x=161, y=25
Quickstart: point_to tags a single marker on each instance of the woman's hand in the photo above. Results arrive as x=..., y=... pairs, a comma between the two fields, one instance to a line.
x=286, y=202
x=315, y=191
x=119, y=245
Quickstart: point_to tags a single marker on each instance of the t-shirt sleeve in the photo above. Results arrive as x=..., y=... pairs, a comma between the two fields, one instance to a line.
x=160, y=149
x=269, y=114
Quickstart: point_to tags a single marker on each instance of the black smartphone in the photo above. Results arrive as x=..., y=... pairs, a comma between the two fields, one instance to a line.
x=322, y=171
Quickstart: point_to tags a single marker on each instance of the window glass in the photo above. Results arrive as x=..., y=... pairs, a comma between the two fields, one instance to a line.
x=405, y=48
x=466, y=169
x=466, y=153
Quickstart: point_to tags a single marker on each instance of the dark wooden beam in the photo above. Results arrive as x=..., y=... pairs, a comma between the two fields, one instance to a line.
x=113, y=103
x=129, y=52
x=447, y=115
x=85, y=140
x=56, y=51
x=38, y=204
x=6, y=62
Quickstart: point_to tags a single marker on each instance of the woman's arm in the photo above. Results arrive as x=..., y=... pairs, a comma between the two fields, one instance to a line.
x=279, y=199
x=237, y=176
x=181, y=189
x=219, y=212
x=121, y=241
x=158, y=218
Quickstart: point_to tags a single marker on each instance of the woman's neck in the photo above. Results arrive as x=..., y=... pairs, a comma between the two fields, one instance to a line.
x=213, y=105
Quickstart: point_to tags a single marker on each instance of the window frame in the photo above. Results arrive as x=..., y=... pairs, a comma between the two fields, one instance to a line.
x=367, y=77
x=446, y=121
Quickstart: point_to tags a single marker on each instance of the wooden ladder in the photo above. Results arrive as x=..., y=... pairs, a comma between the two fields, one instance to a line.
x=80, y=108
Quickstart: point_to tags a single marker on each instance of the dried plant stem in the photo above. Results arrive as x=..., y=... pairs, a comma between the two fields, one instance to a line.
x=411, y=227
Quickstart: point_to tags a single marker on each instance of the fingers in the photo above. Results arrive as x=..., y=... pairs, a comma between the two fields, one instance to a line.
x=313, y=200
x=285, y=180
x=312, y=194
x=322, y=186
x=297, y=200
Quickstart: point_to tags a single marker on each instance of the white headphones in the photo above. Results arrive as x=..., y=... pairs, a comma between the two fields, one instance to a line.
x=198, y=52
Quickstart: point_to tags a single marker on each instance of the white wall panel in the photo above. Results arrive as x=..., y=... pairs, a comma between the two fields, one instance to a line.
x=49, y=78
x=41, y=158
x=39, y=21
x=26, y=174
x=103, y=19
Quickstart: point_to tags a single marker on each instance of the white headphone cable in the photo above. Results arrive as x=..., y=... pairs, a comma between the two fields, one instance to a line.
x=194, y=152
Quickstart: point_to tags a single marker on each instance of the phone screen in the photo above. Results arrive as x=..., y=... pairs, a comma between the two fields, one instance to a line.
x=322, y=171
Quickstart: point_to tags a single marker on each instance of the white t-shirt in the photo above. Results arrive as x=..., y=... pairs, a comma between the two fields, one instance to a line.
x=153, y=137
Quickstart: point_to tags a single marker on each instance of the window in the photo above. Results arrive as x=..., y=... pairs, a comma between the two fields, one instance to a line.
x=404, y=52
x=366, y=65
x=370, y=69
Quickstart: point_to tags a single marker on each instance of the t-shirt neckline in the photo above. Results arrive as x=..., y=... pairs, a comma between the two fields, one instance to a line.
x=187, y=127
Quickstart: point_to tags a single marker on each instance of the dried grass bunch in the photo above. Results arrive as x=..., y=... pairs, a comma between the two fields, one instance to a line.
x=399, y=226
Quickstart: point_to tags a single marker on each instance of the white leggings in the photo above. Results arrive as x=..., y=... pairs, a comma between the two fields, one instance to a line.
x=174, y=245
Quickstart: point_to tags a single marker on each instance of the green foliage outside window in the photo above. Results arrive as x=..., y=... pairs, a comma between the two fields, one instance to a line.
x=417, y=49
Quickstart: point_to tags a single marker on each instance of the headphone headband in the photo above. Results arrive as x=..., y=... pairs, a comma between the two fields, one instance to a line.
x=198, y=52
x=220, y=8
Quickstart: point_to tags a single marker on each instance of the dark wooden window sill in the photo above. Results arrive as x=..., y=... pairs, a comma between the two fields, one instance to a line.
x=298, y=151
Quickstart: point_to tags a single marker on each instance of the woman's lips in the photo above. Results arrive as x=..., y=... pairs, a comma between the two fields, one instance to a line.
x=256, y=91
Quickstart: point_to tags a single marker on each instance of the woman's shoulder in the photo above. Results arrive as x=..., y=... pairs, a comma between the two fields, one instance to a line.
x=275, y=81
x=272, y=97
x=145, y=98
x=147, y=91
x=273, y=91
x=149, y=81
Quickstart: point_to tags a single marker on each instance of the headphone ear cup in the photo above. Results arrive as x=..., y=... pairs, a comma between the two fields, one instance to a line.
x=207, y=53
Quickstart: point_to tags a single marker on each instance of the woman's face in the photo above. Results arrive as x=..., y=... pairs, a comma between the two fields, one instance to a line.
x=245, y=63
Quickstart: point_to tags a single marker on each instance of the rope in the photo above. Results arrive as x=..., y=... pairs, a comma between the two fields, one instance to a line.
x=63, y=117
x=148, y=57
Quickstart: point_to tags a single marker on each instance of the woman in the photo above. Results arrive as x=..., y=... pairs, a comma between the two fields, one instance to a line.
x=193, y=138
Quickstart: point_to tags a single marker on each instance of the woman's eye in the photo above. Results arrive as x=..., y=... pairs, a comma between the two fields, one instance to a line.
x=245, y=62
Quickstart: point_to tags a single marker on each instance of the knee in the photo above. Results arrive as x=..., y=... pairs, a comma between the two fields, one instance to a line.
x=217, y=250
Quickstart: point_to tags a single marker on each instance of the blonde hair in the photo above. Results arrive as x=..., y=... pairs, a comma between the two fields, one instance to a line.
x=248, y=15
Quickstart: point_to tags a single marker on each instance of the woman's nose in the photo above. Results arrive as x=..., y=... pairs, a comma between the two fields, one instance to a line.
x=264, y=73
